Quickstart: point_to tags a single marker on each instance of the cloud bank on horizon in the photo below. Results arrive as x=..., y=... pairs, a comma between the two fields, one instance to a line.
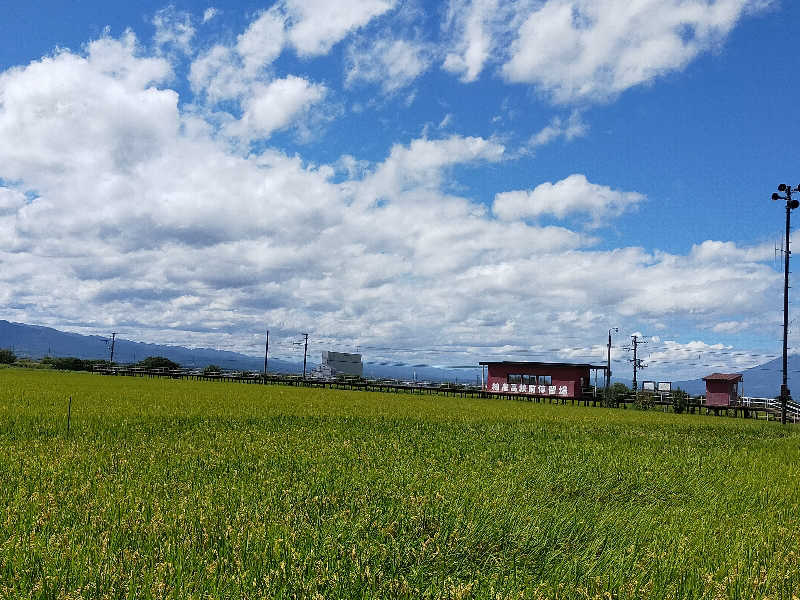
x=195, y=184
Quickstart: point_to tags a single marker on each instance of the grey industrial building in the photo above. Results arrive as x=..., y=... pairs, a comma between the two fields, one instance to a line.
x=341, y=363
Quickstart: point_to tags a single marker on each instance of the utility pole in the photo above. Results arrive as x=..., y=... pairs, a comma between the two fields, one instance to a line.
x=113, y=340
x=790, y=204
x=305, y=355
x=266, y=353
x=637, y=362
x=608, y=365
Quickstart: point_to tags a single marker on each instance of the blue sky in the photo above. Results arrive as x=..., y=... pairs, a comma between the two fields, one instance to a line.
x=431, y=183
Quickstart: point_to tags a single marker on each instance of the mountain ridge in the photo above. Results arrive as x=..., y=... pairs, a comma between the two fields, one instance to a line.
x=38, y=341
x=761, y=381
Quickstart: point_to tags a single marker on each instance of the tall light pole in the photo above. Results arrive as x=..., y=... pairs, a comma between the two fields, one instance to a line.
x=790, y=205
x=608, y=368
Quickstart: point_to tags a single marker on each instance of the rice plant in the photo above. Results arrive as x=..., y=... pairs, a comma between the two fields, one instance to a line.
x=177, y=489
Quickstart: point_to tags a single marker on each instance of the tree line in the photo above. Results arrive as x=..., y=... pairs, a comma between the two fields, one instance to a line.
x=73, y=363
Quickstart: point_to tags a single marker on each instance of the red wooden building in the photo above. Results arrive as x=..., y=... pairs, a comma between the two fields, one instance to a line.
x=722, y=389
x=553, y=380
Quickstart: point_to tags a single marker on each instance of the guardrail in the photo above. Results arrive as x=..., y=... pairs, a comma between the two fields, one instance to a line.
x=772, y=405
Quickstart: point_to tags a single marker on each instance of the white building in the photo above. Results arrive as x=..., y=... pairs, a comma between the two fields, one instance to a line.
x=341, y=363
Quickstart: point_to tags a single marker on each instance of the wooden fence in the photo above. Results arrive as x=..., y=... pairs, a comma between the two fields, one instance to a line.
x=764, y=408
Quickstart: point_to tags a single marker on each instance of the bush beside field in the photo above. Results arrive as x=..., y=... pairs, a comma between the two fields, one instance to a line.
x=174, y=489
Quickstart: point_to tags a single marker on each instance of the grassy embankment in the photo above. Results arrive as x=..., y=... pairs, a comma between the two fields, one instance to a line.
x=182, y=489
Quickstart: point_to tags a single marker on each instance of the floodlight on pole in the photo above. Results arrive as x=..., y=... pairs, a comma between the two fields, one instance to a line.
x=791, y=204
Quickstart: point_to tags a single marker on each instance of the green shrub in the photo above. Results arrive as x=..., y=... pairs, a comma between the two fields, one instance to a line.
x=72, y=363
x=615, y=394
x=7, y=357
x=645, y=400
x=680, y=401
x=27, y=363
x=69, y=363
x=157, y=362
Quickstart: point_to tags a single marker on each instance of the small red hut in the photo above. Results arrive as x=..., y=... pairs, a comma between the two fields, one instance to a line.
x=722, y=389
x=553, y=380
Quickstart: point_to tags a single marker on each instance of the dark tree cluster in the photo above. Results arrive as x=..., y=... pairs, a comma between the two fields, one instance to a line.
x=157, y=362
x=72, y=363
x=7, y=357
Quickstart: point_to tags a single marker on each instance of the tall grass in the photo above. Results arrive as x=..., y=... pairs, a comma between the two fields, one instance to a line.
x=174, y=489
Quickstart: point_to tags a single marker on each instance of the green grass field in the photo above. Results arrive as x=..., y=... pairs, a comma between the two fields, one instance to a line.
x=171, y=489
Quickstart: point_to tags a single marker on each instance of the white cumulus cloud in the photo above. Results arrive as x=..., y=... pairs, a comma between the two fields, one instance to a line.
x=316, y=25
x=10, y=201
x=574, y=195
x=569, y=129
x=591, y=50
x=274, y=106
x=421, y=164
x=474, y=27
x=225, y=72
x=173, y=28
x=394, y=64
x=262, y=42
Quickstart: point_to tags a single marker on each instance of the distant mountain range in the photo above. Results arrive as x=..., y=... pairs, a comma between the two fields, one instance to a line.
x=762, y=381
x=34, y=341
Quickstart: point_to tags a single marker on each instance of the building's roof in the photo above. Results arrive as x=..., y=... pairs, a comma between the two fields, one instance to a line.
x=341, y=356
x=723, y=377
x=541, y=364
